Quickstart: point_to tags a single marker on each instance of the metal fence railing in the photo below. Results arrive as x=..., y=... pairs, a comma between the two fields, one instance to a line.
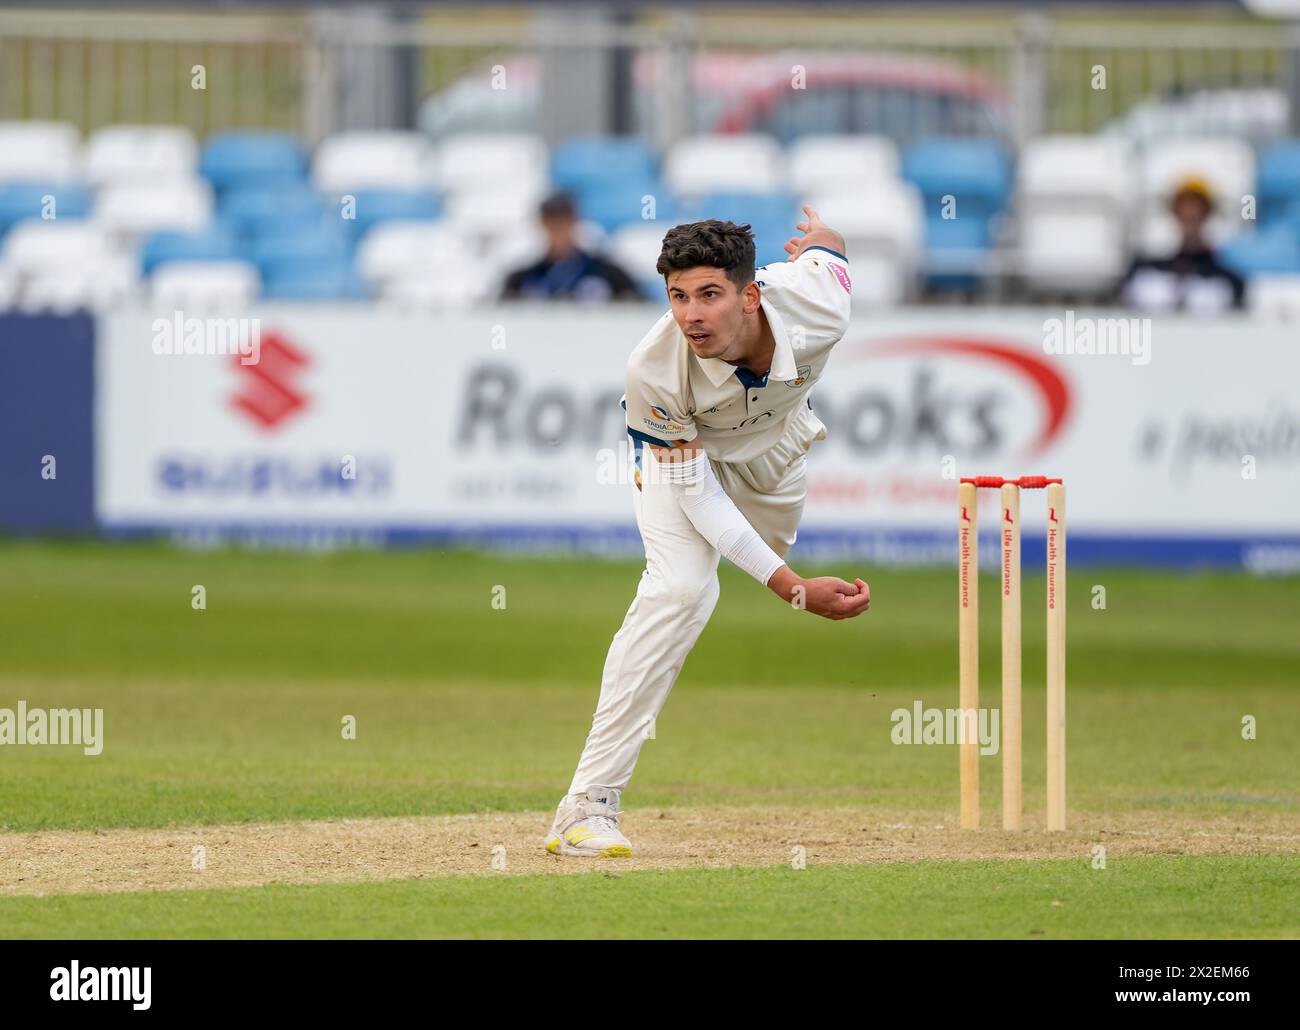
x=659, y=72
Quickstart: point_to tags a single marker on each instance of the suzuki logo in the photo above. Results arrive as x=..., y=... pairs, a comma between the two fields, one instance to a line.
x=267, y=395
x=964, y=516
x=1006, y=514
x=1051, y=514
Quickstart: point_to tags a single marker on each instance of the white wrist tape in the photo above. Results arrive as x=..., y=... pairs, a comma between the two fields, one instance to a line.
x=716, y=516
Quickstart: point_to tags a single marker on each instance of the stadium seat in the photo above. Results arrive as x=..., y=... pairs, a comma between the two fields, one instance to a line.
x=624, y=203
x=204, y=285
x=39, y=152
x=376, y=206
x=738, y=164
x=1270, y=250
x=315, y=280
x=492, y=161
x=594, y=162
x=236, y=160
x=265, y=211
x=140, y=153
x=976, y=173
x=137, y=207
x=830, y=164
x=287, y=256
x=470, y=282
x=95, y=285
x=1225, y=164
x=636, y=248
x=1278, y=188
x=484, y=216
x=384, y=160
x=35, y=246
x=1275, y=296
x=19, y=201
x=9, y=287
x=214, y=244
x=884, y=233
x=1073, y=199
x=409, y=248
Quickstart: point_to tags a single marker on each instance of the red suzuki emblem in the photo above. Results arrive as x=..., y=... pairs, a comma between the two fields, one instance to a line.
x=267, y=394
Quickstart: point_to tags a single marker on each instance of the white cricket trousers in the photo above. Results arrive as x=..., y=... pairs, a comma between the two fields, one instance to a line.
x=677, y=592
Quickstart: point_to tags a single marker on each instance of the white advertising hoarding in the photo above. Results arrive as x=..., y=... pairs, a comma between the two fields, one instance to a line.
x=1179, y=445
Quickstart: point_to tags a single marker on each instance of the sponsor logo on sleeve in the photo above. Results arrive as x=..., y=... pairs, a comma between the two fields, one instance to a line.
x=842, y=274
x=663, y=422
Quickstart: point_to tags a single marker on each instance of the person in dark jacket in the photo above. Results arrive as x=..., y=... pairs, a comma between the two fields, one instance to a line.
x=1192, y=278
x=566, y=271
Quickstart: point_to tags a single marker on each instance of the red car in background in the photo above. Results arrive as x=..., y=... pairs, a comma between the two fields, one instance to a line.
x=899, y=96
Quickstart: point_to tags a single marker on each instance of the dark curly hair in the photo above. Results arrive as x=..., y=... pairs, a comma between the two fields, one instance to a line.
x=712, y=244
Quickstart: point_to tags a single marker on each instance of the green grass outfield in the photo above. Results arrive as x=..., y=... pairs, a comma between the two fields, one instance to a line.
x=1166, y=897
x=232, y=714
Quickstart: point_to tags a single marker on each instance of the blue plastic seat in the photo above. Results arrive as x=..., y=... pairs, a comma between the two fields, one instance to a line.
x=258, y=212
x=232, y=160
x=971, y=170
x=216, y=244
x=1273, y=249
x=588, y=162
x=20, y=201
x=611, y=205
x=320, y=280
x=1278, y=180
x=375, y=206
x=976, y=173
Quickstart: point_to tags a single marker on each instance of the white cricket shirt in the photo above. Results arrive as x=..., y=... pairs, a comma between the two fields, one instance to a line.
x=673, y=395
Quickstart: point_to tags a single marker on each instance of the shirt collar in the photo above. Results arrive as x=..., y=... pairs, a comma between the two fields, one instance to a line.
x=783, y=365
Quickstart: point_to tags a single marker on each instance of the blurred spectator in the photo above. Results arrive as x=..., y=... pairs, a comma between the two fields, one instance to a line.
x=1193, y=278
x=567, y=272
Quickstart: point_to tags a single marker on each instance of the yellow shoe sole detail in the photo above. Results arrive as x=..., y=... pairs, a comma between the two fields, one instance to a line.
x=617, y=851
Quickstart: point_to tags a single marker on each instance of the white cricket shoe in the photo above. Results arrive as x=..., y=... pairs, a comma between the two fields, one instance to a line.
x=586, y=825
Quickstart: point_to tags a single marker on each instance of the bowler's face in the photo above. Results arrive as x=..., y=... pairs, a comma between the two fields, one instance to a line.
x=709, y=309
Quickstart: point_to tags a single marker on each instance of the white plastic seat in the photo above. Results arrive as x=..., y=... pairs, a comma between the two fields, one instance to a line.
x=134, y=208
x=35, y=245
x=1092, y=168
x=469, y=283
x=401, y=248
x=1082, y=250
x=485, y=217
x=38, y=151
x=394, y=160
x=636, y=248
x=134, y=153
x=828, y=164
x=884, y=234
x=1275, y=296
x=9, y=287
x=492, y=160
x=1074, y=197
x=205, y=285
x=703, y=164
x=98, y=285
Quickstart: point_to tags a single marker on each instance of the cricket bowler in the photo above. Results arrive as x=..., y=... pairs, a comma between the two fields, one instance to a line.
x=721, y=421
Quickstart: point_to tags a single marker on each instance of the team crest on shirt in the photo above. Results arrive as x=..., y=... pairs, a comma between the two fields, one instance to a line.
x=803, y=372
